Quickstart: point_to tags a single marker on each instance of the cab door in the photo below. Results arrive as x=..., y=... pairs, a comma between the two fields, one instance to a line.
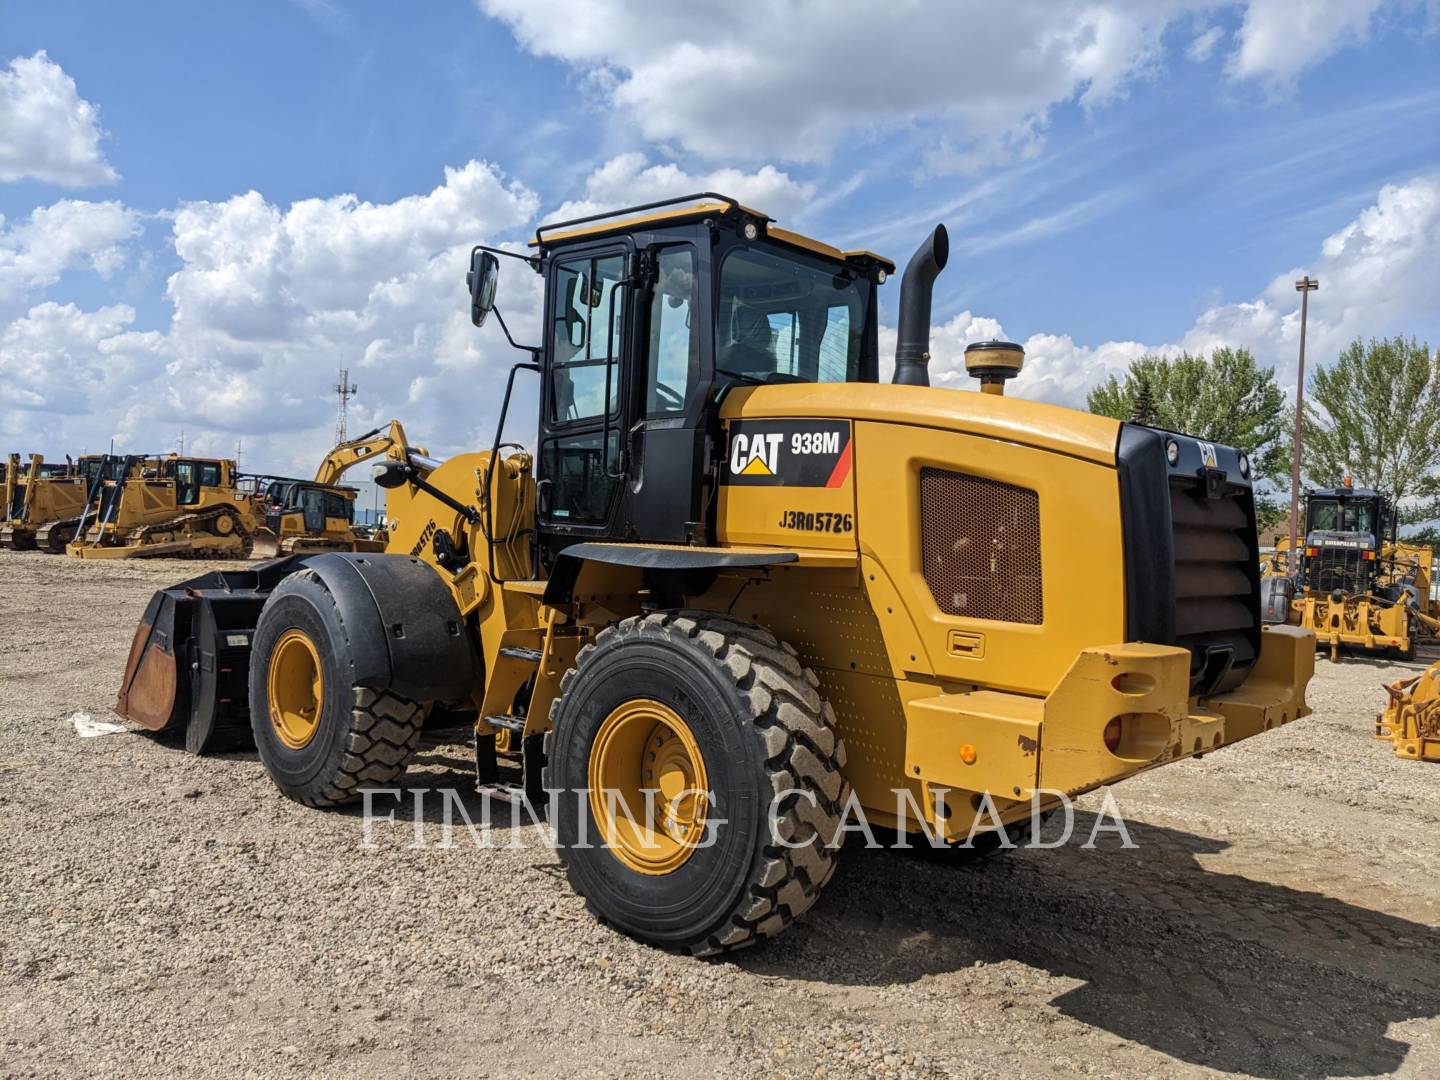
x=585, y=381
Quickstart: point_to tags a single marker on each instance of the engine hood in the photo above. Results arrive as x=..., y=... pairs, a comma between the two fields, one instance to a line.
x=1010, y=419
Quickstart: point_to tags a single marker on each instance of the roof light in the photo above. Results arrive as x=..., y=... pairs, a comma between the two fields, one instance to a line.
x=1244, y=465
x=751, y=232
x=880, y=276
x=1172, y=451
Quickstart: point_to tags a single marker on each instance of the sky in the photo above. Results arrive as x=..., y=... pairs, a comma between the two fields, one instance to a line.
x=206, y=210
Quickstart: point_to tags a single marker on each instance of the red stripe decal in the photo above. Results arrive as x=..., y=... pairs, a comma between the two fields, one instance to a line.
x=841, y=472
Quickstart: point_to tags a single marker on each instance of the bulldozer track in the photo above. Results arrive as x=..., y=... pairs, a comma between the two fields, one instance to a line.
x=54, y=535
x=202, y=519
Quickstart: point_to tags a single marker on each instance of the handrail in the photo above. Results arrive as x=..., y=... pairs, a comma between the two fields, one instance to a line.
x=679, y=200
x=611, y=363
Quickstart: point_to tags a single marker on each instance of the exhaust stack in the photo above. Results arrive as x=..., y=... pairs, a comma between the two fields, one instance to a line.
x=912, y=343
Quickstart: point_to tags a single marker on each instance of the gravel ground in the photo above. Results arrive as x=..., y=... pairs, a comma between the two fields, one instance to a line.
x=164, y=914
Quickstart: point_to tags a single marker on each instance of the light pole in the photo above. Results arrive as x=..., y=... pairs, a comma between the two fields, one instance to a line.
x=1305, y=286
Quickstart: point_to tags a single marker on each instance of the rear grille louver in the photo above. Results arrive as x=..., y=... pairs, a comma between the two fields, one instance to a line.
x=1216, y=583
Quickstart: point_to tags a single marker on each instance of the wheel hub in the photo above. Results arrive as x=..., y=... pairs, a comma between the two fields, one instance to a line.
x=296, y=689
x=648, y=787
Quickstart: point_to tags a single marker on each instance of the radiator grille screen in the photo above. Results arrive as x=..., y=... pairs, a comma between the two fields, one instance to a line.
x=980, y=542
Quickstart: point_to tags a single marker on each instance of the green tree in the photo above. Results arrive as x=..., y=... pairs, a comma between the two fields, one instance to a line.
x=1374, y=415
x=1142, y=411
x=1226, y=397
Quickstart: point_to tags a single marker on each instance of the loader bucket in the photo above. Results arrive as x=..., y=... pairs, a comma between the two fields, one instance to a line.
x=150, y=692
x=189, y=662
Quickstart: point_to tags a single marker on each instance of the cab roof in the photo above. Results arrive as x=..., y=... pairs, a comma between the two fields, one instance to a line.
x=690, y=208
x=1347, y=493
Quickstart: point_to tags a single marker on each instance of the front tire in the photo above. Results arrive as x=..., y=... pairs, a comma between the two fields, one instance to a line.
x=693, y=698
x=320, y=737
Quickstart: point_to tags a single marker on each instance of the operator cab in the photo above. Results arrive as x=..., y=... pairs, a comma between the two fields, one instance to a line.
x=191, y=475
x=1346, y=528
x=652, y=315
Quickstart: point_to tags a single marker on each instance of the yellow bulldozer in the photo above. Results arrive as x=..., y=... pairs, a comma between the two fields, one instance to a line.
x=140, y=506
x=39, y=498
x=744, y=592
x=318, y=515
x=1356, y=584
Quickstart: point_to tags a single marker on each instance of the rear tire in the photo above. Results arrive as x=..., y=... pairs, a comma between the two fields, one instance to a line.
x=766, y=745
x=349, y=736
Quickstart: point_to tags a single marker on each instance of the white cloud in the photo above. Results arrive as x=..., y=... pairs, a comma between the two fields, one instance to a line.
x=1378, y=277
x=47, y=130
x=630, y=179
x=268, y=302
x=789, y=82
x=1203, y=44
x=1279, y=38
x=34, y=253
x=58, y=359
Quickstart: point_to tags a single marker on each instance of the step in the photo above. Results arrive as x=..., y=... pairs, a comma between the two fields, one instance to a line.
x=513, y=724
x=520, y=652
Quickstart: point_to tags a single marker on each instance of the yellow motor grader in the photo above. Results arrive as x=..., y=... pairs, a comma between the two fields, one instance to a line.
x=1357, y=584
x=743, y=592
x=38, y=497
x=165, y=506
x=318, y=515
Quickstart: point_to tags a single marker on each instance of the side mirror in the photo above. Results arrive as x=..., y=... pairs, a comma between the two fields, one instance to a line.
x=392, y=474
x=482, y=278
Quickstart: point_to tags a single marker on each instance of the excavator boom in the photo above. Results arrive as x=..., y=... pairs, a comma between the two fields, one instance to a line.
x=382, y=442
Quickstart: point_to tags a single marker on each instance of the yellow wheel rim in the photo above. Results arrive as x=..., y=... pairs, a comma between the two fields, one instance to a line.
x=648, y=788
x=296, y=689
x=224, y=525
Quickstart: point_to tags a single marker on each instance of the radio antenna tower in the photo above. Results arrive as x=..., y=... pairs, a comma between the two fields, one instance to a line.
x=345, y=389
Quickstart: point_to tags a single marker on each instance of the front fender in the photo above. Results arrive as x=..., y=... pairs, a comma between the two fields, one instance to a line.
x=405, y=631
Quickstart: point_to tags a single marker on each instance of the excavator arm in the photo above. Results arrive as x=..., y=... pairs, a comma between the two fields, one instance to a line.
x=382, y=442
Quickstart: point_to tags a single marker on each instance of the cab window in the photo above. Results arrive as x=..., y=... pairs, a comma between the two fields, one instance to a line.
x=783, y=319
x=1332, y=515
x=673, y=354
x=585, y=338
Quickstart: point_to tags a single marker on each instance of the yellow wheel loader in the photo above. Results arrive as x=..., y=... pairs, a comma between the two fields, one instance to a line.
x=744, y=593
x=170, y=506
x=318, y=515
x=38, y=500
x=1358, y=585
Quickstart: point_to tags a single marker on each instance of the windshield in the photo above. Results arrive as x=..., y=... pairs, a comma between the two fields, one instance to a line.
x=781, y=320
x=1333, y=516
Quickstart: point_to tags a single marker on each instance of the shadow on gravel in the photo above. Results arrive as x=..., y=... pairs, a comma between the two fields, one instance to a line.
x=1210, y=968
